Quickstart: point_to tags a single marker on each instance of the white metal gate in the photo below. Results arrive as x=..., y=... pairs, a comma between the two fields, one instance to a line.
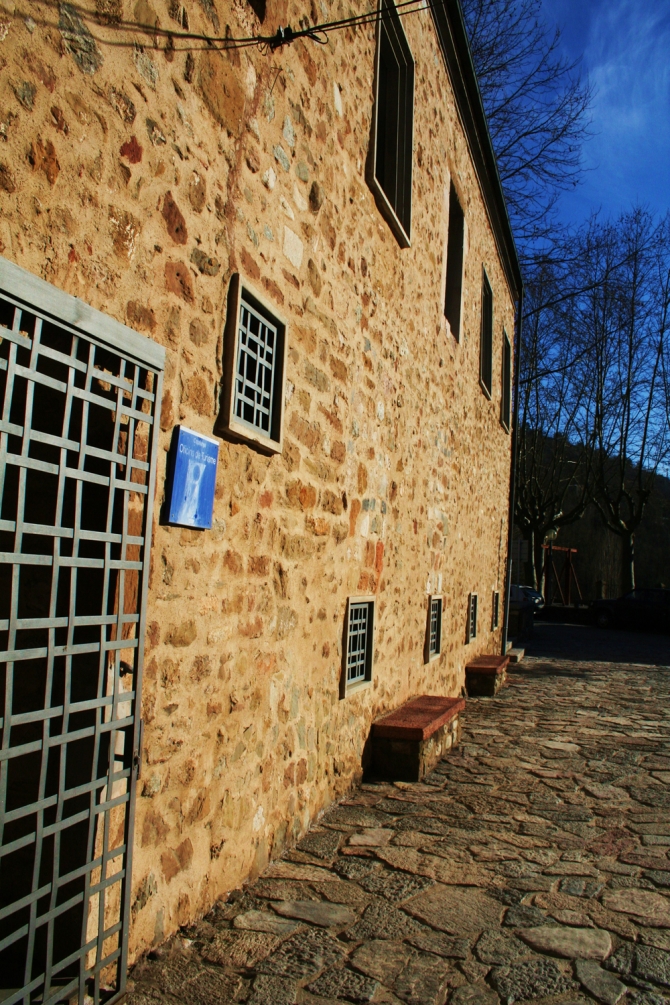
x=79, y=394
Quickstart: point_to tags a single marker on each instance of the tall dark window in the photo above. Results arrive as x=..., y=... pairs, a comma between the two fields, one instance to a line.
x=394, y=123
x=454, y=284
x=506, y=399
x=486, y=339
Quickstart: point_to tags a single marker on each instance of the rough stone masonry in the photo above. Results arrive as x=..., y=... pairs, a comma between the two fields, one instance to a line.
x=532, y=865
x=141, y=177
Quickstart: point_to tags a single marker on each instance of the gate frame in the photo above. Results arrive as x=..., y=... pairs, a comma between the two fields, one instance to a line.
x=68, y=311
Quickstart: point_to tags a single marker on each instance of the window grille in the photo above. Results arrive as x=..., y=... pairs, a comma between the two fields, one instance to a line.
x=255, y=346
x=454, y=279
x=256, y=360
x=359, y=641
x=79, y=394
x=486, y=339
x=496, y=609
x=435, y=627
x=394, y=123
x=506, y=402
x=472, y=617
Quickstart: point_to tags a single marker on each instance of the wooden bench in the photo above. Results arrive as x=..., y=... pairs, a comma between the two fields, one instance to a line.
x=408, y=743
x=485, y=675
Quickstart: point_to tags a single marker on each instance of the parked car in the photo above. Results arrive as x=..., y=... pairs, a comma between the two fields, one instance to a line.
x=647, y=609
x=526, y=595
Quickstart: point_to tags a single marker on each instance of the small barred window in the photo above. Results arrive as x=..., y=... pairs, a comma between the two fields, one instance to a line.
x=472, y=617
x=360, y=632
x=254, y=369
x=435, y=628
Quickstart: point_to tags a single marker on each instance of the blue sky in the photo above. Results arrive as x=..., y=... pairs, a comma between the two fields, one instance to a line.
x=625, y=46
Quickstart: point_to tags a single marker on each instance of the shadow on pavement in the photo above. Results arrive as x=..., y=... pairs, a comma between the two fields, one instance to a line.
x=586, y=644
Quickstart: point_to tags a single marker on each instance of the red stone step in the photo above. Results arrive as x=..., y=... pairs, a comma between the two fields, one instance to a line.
x=485, y=675
x=419, y=718
x=488, y=664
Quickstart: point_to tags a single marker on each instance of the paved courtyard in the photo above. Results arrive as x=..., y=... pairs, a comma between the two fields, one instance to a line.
x=531, y=865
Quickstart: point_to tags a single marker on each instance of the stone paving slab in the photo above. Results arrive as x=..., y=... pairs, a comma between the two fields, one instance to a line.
x=533, y=864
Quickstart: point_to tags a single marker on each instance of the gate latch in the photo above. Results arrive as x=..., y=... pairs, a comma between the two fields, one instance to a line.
x=137, y=753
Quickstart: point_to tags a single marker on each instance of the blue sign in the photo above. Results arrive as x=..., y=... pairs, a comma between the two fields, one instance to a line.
x=193, y=479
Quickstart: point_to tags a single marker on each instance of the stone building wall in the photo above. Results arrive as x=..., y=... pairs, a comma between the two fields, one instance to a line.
x=140, y=177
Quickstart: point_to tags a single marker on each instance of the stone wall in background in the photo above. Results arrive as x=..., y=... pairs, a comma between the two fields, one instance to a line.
x=140, y=177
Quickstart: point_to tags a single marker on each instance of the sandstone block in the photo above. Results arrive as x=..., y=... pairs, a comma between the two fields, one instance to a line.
x=573, y=943
x=325, y=915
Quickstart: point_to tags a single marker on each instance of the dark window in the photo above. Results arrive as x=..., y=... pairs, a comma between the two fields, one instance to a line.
x=393, y=122
x=486, y=340
x=506, y=402
x=454, y=285
x=359, y=641
x=435, y=627
x=472, y=617
x=496, y=609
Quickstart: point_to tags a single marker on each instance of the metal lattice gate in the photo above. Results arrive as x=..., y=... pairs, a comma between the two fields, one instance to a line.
x=78, y=393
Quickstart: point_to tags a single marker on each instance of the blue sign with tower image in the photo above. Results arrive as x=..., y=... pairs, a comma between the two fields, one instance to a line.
x=191, y=491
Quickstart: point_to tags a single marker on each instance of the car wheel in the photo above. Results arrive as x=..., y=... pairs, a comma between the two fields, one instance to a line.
x=604, y=619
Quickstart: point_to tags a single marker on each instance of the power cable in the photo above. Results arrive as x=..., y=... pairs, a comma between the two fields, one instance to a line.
x=266, y=43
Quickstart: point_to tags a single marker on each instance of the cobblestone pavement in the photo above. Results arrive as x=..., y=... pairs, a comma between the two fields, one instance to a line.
x=532, y=865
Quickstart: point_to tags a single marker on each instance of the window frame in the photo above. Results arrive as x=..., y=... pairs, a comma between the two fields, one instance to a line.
x=454, y=247
x=388, y=210
x=495, y=613
x=472, y=617
x=506, y=383
x=360, y=683
x=487, y=289
x=429, y=655
x=228, y=423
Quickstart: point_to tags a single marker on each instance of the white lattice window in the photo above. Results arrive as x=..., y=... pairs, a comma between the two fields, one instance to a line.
x=495, y=621
x=472, y=617
x=254, y=368
x=359, y=650
x=434, y=634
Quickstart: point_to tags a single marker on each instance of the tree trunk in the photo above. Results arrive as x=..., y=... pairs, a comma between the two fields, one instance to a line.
x=540, y=585
x=627, y=563
x=531, y=559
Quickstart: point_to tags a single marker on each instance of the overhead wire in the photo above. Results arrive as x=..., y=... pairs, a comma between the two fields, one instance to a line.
x=266, y=43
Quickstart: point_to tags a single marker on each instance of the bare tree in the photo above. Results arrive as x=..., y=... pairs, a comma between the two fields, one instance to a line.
x=555, y=443
x=537, y=108
x=593, y=407
x=628, y=319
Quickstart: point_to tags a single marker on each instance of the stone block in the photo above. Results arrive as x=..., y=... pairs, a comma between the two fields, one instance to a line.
x=408, y=743
x=485, y=675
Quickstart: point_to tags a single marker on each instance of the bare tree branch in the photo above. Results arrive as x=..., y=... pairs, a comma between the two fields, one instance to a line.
x=537, y=108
